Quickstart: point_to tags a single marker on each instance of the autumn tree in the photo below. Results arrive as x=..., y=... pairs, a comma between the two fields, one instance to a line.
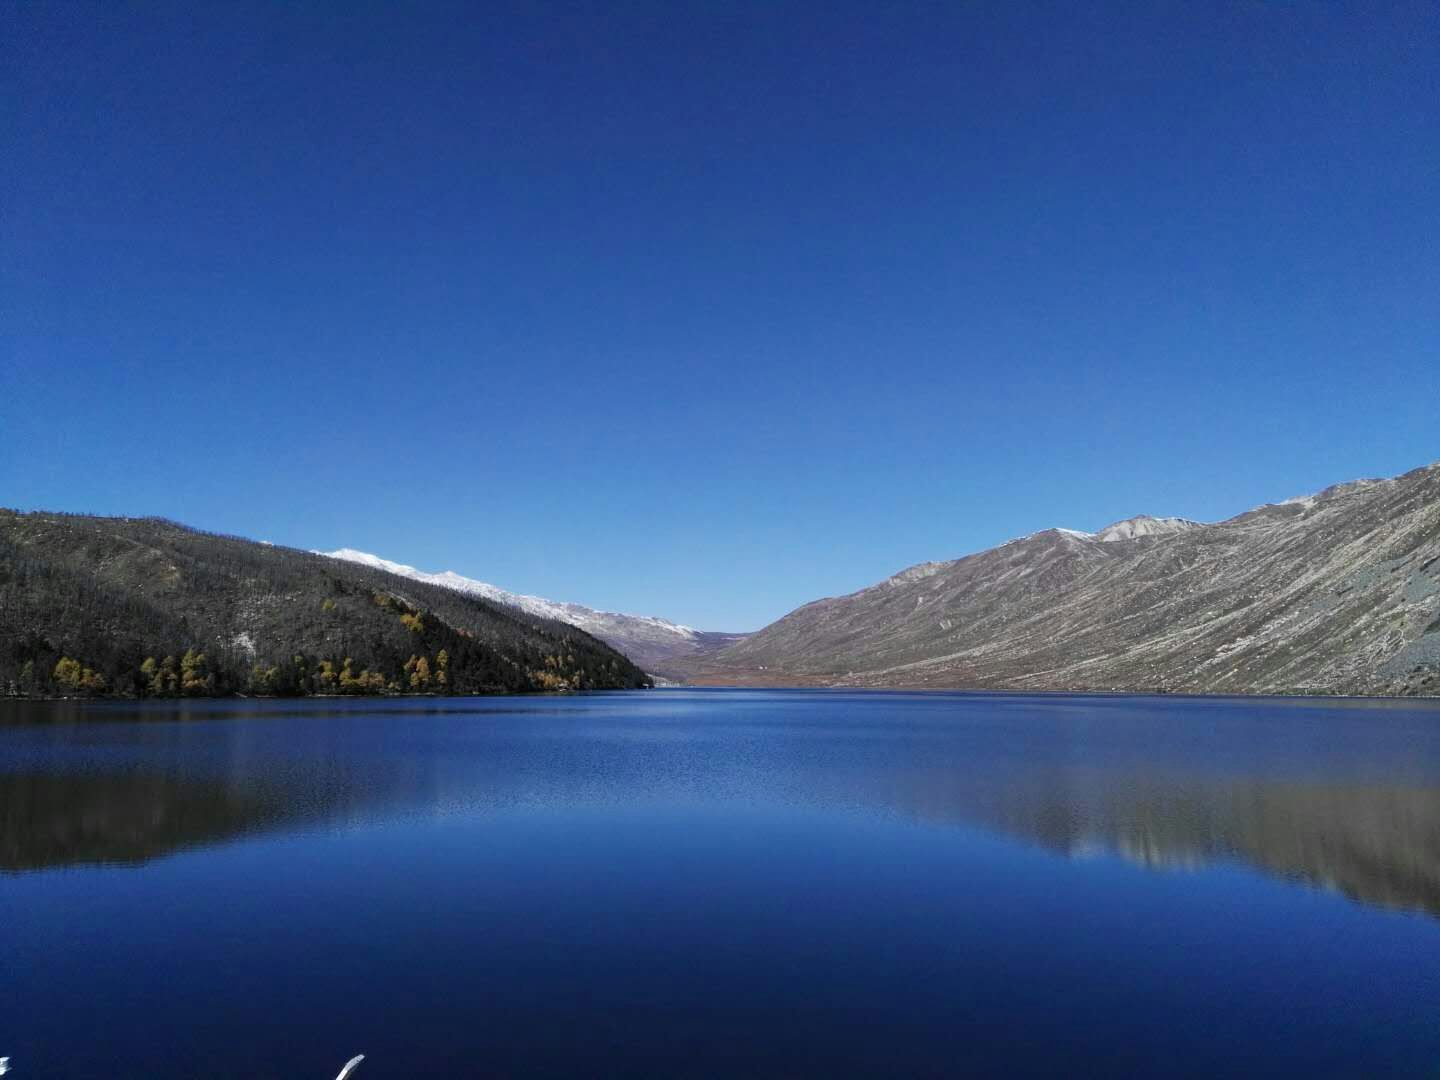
x=75, y=678
x=195, y=676
x=164, y=680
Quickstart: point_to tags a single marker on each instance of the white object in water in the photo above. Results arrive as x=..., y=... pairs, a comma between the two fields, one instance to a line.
x=4, y=1066
x=350, y=1066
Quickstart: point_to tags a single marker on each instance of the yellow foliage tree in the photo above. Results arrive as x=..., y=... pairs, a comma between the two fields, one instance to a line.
x=75, y=678
x=195, y=676
x=68, y=674
x=165, y=680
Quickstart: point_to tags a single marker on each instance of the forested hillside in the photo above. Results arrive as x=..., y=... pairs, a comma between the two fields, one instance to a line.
x=145, y=607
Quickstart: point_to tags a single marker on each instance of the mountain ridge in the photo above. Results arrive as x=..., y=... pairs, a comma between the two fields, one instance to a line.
x=1333, y=592
x=656, y=644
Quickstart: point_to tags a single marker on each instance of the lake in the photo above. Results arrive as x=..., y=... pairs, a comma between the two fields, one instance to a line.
x=717, y=883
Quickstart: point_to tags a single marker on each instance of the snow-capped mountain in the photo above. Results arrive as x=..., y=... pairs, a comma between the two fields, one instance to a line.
x=651, y=642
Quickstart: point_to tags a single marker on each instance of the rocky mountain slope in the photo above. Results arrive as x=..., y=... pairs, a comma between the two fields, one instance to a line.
x=141, y=606
x=657, y=645
x=1337, y=592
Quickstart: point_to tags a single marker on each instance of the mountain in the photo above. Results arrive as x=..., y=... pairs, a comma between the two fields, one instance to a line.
x=1337, y=592
x=142, y=606
x=657, y=645
x=1144, y=525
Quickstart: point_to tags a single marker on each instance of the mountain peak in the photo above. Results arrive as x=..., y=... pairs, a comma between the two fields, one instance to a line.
x=1144, y=525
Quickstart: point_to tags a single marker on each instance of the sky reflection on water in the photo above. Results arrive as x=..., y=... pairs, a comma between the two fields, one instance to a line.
x=893, y=852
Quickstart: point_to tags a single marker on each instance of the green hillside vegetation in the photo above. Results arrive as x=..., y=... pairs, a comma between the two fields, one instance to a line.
x=143, y=607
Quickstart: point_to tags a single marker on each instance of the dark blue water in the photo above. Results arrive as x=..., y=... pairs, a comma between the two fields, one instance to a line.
x=720, y=883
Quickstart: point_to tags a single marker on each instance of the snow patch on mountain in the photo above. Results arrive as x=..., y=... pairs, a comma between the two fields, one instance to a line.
x=1064, y=534
x=599, y=623
x=1144, y=525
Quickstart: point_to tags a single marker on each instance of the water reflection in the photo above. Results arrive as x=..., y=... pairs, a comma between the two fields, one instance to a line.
x=50, y=819
x=124, y=794
x=1375, y=844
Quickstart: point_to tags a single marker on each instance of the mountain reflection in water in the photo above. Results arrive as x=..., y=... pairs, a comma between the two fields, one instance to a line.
x=1375, y=844
x=74, y=800
x=49, y=819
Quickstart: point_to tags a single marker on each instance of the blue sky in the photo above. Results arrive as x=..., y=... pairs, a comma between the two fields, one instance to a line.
x=708, y=310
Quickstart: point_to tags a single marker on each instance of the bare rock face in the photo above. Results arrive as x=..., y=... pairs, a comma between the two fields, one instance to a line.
x=1144, y=525
x=1337, y=592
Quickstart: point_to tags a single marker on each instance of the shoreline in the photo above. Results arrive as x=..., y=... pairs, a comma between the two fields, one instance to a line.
x=1150, y=692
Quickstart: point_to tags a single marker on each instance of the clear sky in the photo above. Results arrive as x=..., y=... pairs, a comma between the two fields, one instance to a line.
x=708, y=310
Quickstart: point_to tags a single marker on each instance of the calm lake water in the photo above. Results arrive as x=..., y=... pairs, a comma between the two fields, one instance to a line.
x=700, y=883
